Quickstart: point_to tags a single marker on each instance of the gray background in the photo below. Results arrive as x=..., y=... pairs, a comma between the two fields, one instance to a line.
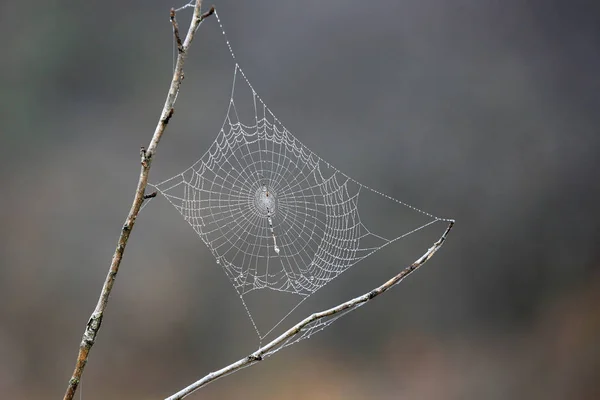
x=485, y=111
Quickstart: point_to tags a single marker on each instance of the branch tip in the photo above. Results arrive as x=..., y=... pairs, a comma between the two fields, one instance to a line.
x=208, y=13
x=176, y=31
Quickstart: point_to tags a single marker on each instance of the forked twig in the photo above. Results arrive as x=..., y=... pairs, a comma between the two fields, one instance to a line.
x=296, y=330
x=95, y=321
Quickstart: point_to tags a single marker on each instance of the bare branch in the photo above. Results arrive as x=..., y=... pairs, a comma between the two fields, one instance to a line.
x=95, y=321
x=296, y=330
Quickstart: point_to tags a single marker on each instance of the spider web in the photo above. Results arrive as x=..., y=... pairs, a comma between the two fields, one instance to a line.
x=273, y=213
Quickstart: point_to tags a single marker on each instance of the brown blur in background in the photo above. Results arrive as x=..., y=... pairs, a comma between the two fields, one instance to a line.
x=484, y=111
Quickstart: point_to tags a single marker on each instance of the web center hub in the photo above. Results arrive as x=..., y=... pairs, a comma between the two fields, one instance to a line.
x=265, y=201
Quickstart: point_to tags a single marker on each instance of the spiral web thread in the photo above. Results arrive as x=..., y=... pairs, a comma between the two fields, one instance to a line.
x=272, y=212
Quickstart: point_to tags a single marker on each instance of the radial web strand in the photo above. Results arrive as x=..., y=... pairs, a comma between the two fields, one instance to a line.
x=275, y=215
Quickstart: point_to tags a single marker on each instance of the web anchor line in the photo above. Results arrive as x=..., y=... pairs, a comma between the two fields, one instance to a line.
x=273, y=213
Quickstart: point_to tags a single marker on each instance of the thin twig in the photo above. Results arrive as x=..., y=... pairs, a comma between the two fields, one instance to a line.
x=176, y=31
x=95, y=321
x=296, y=330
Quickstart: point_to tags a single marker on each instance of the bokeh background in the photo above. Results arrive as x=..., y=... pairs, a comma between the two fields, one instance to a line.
x=484, y=111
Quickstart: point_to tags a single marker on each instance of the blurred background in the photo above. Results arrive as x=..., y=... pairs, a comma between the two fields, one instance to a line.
x=483, y=111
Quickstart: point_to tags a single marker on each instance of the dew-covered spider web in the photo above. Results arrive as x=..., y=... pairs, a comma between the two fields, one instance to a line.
x=274, y=214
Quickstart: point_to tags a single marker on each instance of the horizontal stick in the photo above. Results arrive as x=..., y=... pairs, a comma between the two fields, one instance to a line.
x=295, y=330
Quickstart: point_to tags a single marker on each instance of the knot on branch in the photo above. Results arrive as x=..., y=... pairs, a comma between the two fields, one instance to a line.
x=145, y=157
x=150, y=195
x=167, y=118
x=91, y=330
x=255, y=357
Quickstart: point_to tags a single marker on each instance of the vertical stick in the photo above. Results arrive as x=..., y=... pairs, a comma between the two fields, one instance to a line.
x=95, y=321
